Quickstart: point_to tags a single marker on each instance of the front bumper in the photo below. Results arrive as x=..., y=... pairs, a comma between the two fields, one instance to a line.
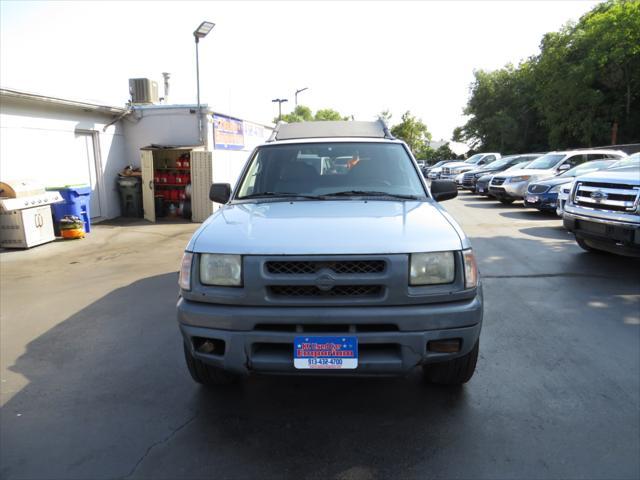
x=604, y=234
x=391, y=340
x=542, y=201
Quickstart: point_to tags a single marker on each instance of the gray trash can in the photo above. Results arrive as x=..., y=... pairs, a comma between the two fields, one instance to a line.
x=130, y=189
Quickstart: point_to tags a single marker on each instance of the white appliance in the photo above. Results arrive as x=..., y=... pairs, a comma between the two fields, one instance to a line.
x=25, y=214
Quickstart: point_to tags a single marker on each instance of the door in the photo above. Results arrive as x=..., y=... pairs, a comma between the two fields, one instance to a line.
x=148, y=190
x=87, y=170
x=201, y=181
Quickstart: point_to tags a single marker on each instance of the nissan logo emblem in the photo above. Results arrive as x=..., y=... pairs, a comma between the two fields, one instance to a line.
x=325, y=282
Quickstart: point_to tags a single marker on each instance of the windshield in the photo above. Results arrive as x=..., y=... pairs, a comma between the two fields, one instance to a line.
x=633, y=160
x=440, y=163
x=518, y=166
x=474, y=159
x=547, y=161
x=587, y=167
x=318, y=169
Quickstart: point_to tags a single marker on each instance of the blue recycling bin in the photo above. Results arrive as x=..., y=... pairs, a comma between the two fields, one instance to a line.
x=76, y=202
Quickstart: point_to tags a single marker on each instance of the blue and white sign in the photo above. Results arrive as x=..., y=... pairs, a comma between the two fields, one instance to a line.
x=325, y=352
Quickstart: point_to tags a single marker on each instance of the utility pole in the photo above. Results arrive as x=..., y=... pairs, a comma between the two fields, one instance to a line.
x=280, y=101
x=300, y=91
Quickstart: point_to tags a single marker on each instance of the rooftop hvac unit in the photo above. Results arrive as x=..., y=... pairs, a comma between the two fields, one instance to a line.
x=143, y=90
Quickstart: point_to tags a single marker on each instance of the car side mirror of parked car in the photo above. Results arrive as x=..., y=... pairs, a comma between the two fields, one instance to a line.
x=442, y=190
x=220, y=192
x=564, y=167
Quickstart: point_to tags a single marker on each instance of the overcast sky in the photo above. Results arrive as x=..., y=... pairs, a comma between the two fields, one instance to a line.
x=358, y=57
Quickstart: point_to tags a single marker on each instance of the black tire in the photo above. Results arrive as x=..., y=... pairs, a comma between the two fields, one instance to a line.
x=454, y=372
x=206, y=374
x=586, y=247
x=506, y=201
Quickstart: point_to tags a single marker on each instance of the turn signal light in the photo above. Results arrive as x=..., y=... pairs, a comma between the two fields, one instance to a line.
x=445, y=346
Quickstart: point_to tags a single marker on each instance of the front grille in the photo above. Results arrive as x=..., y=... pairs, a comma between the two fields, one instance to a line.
x=446, y=170
x=537, y=188
x=498, y=180
x=340, y=291
x=347, y=267
x=496, y=189
x=607, y=196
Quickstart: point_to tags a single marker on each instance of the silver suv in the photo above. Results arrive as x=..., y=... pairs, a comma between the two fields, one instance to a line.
x=343, y=271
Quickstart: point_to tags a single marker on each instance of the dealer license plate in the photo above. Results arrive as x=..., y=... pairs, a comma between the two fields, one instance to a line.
x=325, y=352
x=532, y=198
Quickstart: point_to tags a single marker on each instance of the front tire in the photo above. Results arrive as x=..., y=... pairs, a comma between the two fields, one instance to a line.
x=586, y=247
x=206, y=374
x=453, y=372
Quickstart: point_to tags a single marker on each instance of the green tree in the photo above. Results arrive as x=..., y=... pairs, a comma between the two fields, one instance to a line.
x=303, y=113
x=300, y=114
x=584, y=83
x=414, y=132
x=328, y=114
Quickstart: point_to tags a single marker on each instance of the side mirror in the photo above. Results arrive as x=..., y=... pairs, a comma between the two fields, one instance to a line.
x=220, y=192
x=442, y=190
x=564, y=167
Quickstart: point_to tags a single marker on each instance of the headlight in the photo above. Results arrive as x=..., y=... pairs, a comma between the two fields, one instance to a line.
x=221, y=270
x=470, y=269
x=556, y=189
x=184, y=279
x=478, y=175
x=521, y=178
x=432, y=268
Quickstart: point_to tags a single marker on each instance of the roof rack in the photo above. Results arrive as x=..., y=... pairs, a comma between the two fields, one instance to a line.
x=330, y=129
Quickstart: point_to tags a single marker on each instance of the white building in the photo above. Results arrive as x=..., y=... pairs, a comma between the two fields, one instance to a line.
x=61, y=142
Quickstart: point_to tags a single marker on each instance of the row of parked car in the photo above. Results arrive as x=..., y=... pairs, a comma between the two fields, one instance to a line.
x=596, y=192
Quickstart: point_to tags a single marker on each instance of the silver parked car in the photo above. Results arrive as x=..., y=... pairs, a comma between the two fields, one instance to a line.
x=347, y=273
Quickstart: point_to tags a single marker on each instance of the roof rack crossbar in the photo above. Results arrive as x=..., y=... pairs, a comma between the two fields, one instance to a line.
x=274, y=134
x=385, y=129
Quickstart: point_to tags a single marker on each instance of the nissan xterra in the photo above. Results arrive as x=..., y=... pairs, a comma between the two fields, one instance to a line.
x=341, y=271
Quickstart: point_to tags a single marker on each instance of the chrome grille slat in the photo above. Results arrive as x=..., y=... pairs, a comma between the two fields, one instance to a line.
x=606, y=196
x=498, y=180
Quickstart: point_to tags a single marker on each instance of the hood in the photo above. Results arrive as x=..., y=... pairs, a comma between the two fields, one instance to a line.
x=326, y=228
x=456, y=164
x=624, y=176
x=552, y=182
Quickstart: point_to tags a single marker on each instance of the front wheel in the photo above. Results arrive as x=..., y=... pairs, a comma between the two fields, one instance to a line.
x=586, y=247
x=206, y=374
x=453, y=372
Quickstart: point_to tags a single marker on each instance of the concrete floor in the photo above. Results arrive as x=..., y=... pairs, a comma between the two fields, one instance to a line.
x=94, y=384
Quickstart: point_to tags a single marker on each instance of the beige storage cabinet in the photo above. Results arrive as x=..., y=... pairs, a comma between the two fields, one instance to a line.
x=158, y=159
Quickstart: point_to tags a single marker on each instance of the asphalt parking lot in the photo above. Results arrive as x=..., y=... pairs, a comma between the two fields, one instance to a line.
x=94, y=384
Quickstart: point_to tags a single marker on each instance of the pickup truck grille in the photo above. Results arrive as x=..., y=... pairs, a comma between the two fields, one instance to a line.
x=607, y=196
x=446, y=170
x=353, y=291
x=348, y=267
x=498, y=180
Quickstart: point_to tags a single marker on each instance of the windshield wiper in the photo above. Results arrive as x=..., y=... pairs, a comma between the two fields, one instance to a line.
x=280, y=194
x=370, y=193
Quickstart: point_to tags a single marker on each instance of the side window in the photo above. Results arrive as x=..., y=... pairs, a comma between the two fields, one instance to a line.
x=575, y=160
x=597, y=156
x=488, y=159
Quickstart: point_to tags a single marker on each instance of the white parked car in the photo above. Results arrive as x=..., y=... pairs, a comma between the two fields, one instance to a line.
x=452, y=170
x=513, y=186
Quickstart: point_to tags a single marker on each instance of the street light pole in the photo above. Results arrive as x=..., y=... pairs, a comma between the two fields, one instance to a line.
x=300, y=91
x=280, y=101
x=200, y=32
